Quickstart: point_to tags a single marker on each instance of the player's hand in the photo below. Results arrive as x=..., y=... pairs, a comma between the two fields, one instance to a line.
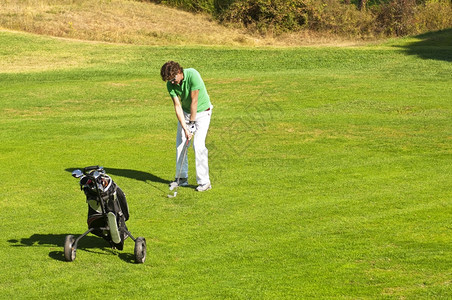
x=188, y=134
x=192, y=126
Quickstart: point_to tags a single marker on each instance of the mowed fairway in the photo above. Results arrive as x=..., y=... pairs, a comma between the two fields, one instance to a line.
x=331, y=171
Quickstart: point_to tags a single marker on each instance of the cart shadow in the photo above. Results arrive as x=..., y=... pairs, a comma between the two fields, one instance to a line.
x=129, y=173
x=89, y=243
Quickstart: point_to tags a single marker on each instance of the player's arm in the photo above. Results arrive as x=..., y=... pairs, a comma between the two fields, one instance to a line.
x=194, y=104
x=180, y=116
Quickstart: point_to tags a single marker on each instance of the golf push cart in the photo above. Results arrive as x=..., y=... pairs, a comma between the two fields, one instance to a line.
x=107, y=213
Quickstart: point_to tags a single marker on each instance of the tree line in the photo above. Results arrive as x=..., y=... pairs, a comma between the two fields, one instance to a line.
x=351, y=18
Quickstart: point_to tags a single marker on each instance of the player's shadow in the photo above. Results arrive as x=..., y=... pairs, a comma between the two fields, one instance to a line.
x=133, y=174
x=89, y=243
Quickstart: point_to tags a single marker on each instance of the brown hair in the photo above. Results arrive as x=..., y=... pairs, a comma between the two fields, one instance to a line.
x=169, y=70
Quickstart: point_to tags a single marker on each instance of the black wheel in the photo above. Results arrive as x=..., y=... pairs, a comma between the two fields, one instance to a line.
x=69, y=250
x=140, y=250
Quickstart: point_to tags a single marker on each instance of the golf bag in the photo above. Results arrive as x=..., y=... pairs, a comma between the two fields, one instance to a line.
x=107, y=213
x=108, y=194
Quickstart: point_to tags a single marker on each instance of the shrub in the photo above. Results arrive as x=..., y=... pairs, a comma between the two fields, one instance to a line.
x=404, y=17
x=434, y=15
x=279, y=16
x=222, y=5
x=382, y=18
x=267, y=15
x=395, y=18
x=334, y=17
x=190, y=5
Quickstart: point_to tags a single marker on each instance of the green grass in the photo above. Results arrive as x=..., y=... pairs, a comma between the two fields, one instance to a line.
x=331, y=171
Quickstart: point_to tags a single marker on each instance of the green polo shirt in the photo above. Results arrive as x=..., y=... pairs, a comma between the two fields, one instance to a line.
x=192, y=81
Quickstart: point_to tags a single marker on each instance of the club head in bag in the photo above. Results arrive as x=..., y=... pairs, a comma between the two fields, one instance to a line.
x=77, y=173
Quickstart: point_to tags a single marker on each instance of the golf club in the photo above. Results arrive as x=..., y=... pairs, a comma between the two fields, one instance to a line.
x=184, y=154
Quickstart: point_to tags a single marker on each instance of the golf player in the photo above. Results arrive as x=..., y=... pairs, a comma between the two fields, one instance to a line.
x=193, y=111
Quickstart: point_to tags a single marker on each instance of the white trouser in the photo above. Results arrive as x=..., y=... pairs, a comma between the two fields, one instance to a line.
x=199, y=147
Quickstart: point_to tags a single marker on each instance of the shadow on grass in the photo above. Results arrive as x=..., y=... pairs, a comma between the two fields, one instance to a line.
x=88, y=243
x=433, y=45
x=133, y=174
x=137, y=175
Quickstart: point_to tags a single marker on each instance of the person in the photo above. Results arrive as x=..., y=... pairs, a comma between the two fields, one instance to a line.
x=193, y=111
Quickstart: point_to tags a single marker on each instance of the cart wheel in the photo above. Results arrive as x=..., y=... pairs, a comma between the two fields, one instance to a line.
x=69, y=250
x=140, y=250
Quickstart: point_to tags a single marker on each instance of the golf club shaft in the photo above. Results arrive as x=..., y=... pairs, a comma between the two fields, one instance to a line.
x=184, y=155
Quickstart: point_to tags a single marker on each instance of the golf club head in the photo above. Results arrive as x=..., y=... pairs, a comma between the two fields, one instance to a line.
x=96, y=174
x=172, y=196
x=77, y=173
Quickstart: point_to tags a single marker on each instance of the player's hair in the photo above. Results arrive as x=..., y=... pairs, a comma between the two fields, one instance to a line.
x=169, y=70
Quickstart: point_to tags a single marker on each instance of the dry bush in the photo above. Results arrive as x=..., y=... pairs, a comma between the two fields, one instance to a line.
x=335, y=17
x=406, y=17
x=276, y=16
x=188, y=5
x=395, y=18
x=387, y=18
x=283, y=16
x=433, y=15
